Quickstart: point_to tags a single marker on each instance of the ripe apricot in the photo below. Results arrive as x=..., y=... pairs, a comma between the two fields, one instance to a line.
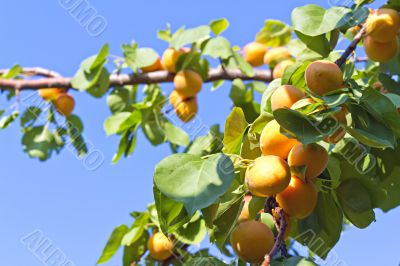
x=279, y=69
x=314, y=156
x=273, y=142
x=340, y=132
x=383, y=24
x=276, y=55
x=160, y=247
x=254, y=53
x=188, y=83
x=185, y=108
x=170, y=58
x=245, y=214
x=153, y=67
x=50, y=94
x=378, y=51
x=323, y=76
x=285, y=96
x=252, y=240
x=64, y=104
x=288, y=221
x=268, y=176
x=298, y=199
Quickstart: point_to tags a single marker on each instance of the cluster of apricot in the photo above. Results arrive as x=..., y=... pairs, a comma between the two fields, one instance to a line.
x=62, y=101
x=278, y=58
x=382, y=27
x=187, y=83
x=287, y=169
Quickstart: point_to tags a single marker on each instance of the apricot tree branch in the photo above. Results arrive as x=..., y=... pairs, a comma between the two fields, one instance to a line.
x=124, y=79
x=270, y=205
x=353, y=45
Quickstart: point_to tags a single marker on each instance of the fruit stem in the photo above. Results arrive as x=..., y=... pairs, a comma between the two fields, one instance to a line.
x=353, y=45
x=279, y=244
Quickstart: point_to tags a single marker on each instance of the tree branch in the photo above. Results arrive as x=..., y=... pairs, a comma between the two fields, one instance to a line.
x=279, y=244
x=350, y=49
x=35, y=71
x=53, y=81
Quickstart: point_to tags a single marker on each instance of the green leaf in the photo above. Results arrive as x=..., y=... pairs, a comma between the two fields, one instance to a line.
x=274, y=33
x=30, y=115
x=302, y=53
x=38, y=142
x=5, y=121
x=319, y=43
x=75, y=122
x=101, y=57
x=113, y=123
x=113, y=243
x=152, y=126
x=176, y=135
x=137, y=58
x=235, y=127
x=193, y=181
x=14, y=71
x=120, y=99
x=136, y=230
x=314, y=20
x=218, y=26
x=245, y=67
x=190, y=36
x=239, y=94
x=192, y=232
x=102, y=84
x=294, y=261
x=136, y=250
x=217, y=47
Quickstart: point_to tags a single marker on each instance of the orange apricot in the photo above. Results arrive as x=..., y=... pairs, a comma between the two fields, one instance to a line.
x=298, y=199
x=170, y=58
x=252, y=240
x=279, y=69
x=64, y=104
x=285, y=96
x=276, y=55
x=323, y=76
x=383, y=25
x=160, y=247
x=273, y=142
x=188, y=83
x=380, y=52
x=50, y=94
x=153, y=67
x=268, y=176
x=313, y=156
x=185, y=108
x=254, y=53
x=245, y=214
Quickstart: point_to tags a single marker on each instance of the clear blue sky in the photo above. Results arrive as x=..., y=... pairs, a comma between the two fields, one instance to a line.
x=76, y=208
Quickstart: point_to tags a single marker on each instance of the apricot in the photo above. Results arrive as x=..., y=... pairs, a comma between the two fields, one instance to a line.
x=153, y=67
x=268, y=176
x=285, y=96
x=378, y=51
x=245, y=214
x=185, y=108
x=170, y=58
x=160, y=247
x=276, y=55
x=314, y=156
x=252, y=240
x=279, y=69
x=50, y=94
x=340, y=132
x=64, y=104
x=273, y=142
x=254, y=53
x=323, y=76
x=288, y=222
x=298, y=199
x=188, y=83
x=383, y=24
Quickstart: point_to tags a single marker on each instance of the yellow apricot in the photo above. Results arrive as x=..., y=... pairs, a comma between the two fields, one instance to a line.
x=254, y=53
x=153, y=67
x=285, y=96
x=383, y=25
x=170, y=58
x=314, y=156
x=276, y=55
x=273, y=142
x=252, y=240
x=50, y=94
x=279, y=69
x=268, y=176
x=298, y=199
x=323, y=76
x=378, y=51
x=64, y=104
x=188, y=83
x=185, y=108
x=245, y=214
x=160, y=247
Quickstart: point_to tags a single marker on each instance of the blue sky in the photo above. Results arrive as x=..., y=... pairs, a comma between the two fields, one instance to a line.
x=76, y=209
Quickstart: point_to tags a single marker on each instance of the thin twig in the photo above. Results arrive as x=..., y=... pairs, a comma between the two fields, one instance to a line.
x=353, y=45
